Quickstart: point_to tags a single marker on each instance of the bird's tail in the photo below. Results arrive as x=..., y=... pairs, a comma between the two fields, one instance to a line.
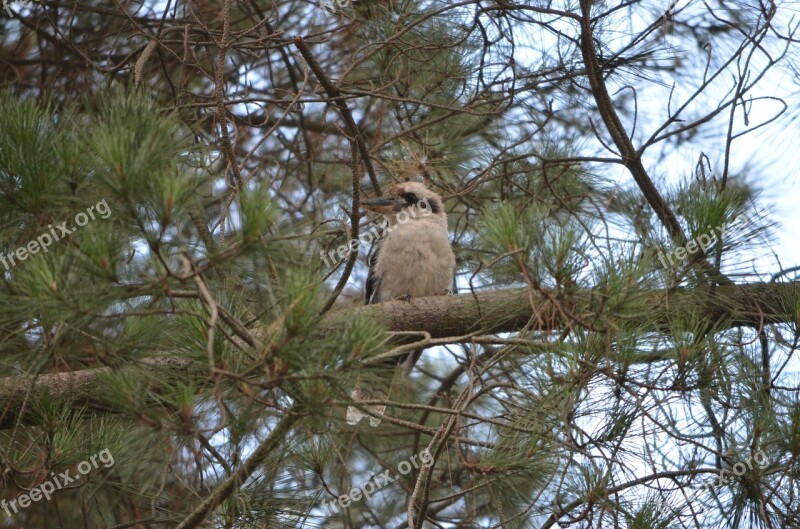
x=362, y=392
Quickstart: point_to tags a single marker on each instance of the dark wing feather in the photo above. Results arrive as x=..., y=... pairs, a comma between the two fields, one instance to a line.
x=373, y=281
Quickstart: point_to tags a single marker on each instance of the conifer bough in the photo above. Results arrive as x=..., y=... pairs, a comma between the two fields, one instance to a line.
x=441, y=317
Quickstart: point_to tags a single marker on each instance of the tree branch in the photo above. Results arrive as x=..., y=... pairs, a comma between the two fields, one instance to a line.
x=510, y=310
x=630, y=156
x=227, y=487
x=336, y=96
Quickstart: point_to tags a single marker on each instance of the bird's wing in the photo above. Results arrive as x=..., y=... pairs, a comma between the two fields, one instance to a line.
x=373, y=285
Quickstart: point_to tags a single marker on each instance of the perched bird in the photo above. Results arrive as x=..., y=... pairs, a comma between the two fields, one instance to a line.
x=412, y=260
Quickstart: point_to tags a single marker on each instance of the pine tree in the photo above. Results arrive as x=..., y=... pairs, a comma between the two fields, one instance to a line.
x=180, y=319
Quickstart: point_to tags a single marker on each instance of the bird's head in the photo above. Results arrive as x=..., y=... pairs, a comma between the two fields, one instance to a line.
x=411, y=197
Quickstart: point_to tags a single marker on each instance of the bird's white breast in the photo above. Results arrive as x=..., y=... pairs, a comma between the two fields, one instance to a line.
x=415, y=260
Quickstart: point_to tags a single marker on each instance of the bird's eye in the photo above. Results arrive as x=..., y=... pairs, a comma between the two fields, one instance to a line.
x=411, y=198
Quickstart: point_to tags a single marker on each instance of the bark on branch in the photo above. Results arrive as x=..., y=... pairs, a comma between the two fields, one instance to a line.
x=492, y=312
x=510, y=310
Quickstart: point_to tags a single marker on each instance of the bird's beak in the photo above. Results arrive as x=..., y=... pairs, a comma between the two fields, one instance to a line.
x=380, y=205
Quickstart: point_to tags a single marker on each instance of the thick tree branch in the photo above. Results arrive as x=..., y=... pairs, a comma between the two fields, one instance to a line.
x=493, y=312
x=510, y=310
x=87, y=387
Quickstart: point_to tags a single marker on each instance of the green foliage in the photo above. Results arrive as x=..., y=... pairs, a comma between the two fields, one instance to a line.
x=184, y=331
x=101, y=297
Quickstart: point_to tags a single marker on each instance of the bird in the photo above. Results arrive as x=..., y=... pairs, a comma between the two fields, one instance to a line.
x=413, y=259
